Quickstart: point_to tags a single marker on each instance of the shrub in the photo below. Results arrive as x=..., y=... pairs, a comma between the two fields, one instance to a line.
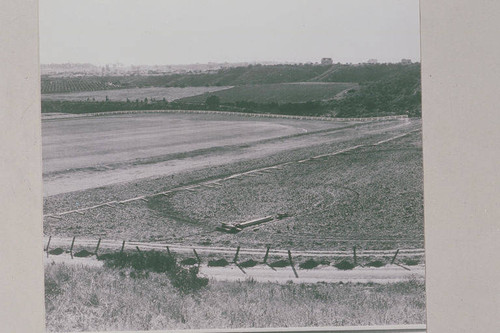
x=324, y=262
x=152, y=261
x=83, y=254
x=309, y=264
x=345, y=265
x=248, y=263
x=187, y=280
x=375, y=263
x=280, y=263
x=56, y=251
x=51, y=287
x=218, y=263
x=159, y=262
x=189, y=261
x=184, y=279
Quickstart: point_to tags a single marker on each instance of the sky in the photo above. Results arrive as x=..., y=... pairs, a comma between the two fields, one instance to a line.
x=163, y=32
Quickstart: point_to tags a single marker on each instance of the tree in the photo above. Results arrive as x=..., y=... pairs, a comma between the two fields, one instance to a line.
x=212, y=101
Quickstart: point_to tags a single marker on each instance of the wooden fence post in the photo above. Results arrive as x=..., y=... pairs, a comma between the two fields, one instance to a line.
x=197, y=257
x=97, y=248
x=267, y=255
x=48, y=244
x=291, y=263
x=71, y=248
x=236, y=255
x=394, y=258
x=355, y=259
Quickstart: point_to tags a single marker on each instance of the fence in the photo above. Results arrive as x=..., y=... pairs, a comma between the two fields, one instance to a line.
x=246, y=114
x=287, y=258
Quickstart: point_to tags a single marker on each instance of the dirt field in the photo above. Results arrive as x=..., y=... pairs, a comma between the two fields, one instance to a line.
x=170, y=94
x=82, y=153
x=369, y=196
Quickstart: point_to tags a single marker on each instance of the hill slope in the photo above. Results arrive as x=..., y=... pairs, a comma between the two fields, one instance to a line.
x=275, y=93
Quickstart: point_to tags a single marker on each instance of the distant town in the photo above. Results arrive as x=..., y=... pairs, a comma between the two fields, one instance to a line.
x=119, y=69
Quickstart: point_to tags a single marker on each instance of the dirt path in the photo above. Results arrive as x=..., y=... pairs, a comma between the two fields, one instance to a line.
x=386, y=274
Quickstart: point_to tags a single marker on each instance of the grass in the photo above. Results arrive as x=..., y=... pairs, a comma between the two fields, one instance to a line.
x=218, y=263
x=275, y=93
x=95, y=299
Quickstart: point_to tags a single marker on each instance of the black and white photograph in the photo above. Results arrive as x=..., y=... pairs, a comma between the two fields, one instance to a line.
x=232, y=164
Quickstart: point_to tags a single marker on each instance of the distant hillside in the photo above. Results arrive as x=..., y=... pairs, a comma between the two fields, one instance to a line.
x=275, y=93
x=396, y=93
x=336, y=90
x=253, y=74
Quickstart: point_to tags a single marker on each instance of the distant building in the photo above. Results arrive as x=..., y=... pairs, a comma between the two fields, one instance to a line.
x=372, y=61
x=326, y=61
x=406, y=61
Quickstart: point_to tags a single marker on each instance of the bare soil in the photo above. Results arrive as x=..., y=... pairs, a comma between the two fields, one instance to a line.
x=369, y=196
x=158, y=93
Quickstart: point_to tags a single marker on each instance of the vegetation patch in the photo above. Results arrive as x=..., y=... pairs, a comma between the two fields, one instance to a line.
x=274, y=93
x=345, y=265
x=309, y=264
x=411, y=262
x=189, y=261
x=56, y=251
x=280, y=263
x=153, y=261
x=142, y=263
x=375, y=263
x=187, y=280
x=248, y=263
x=218, y=263
x=83, y=254
x=324, y=262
